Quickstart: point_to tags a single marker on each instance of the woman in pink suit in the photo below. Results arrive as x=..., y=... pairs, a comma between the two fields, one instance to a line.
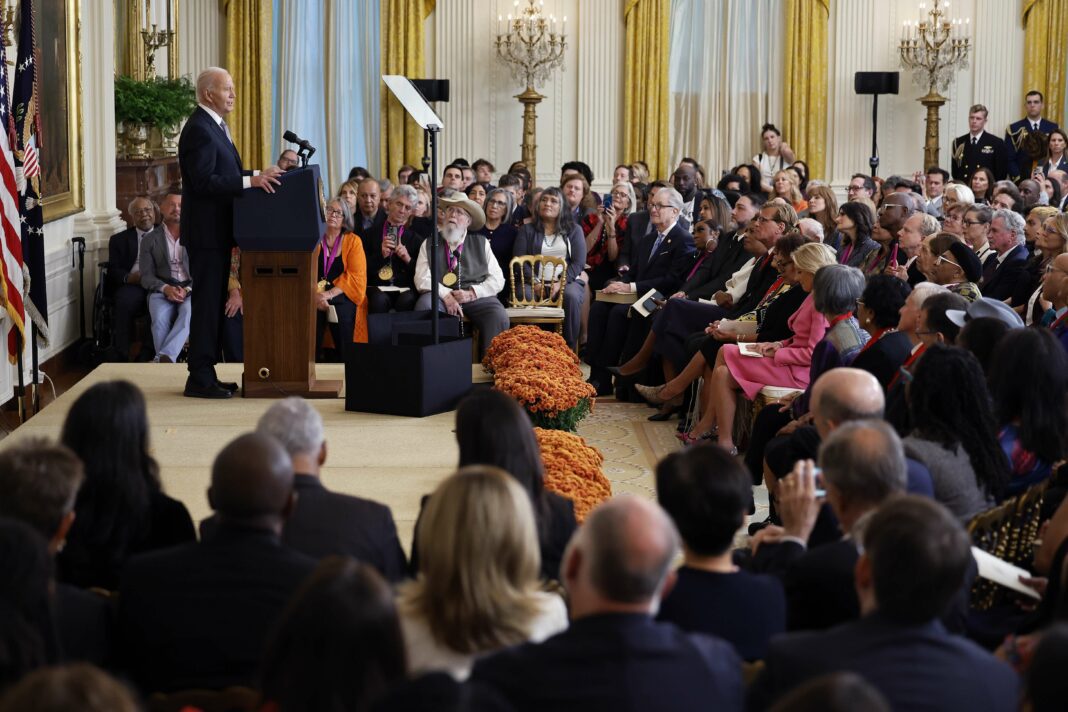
x=834, y=290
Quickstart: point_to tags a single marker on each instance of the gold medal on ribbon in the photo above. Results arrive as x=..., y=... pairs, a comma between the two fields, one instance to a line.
x=386, y=273
x=321, y=286
x=449, y=279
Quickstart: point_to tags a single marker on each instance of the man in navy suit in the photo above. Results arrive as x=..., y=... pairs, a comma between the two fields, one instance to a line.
x=978, y=148
x=914, y=561
x=1020, y=160
x=614, y=656
x=1003, y=271
x=659, y=261
x=212, y=176
x=198, y=615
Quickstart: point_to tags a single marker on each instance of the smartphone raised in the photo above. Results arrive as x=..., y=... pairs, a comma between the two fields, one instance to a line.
x=607, y=202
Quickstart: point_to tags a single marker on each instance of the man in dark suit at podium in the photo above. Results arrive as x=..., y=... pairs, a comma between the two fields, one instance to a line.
x=978, y=148
x=212, y=176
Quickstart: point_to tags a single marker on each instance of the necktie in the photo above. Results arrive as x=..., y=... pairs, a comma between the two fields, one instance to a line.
x=226, y=130
x=1034, y=126
x=656, y=245
x=974, y=140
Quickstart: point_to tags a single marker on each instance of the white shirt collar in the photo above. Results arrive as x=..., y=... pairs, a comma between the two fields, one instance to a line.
x=212, y=113
x=978, y=135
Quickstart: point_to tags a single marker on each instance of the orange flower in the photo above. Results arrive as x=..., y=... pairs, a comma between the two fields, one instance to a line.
x=525, y=336
x=544, y=391
x=536, y=357
x=573, y=470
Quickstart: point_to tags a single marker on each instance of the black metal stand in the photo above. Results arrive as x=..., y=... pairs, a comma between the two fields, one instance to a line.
x=20, y=396
x=873, y=161
x=430, y=160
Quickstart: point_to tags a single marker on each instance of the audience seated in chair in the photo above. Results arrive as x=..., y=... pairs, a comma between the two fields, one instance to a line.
x=38, y=486
x=615, y=656
x=27, y=627
x=124, y=277
x=555, y=234
x=342, y=283
x=197, y=616
x=121, y=508
x=166, y=277
x=324, y=522
x=338, y=645
x=469, y=278
x=916, y=556
x=707, y=492
x=392, y=244
x=477, y=586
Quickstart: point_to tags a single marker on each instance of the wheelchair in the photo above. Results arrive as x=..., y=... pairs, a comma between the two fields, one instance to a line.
x=99, y=348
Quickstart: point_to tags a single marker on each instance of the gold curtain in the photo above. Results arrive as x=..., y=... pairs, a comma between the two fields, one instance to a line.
x=804, y=122
x=248, y=59
x=1045, y=27
x=645, y=84
x=403, y=39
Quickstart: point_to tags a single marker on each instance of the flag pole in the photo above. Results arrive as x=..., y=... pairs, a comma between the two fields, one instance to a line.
x=21, y=397
x=35, y=395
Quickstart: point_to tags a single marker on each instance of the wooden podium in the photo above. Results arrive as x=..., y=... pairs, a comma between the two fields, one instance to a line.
x=279, y=239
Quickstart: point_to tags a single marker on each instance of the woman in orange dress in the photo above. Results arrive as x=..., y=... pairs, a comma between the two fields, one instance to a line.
x=342, y=282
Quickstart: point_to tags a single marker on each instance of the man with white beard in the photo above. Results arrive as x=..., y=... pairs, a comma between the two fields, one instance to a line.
x=469, y=276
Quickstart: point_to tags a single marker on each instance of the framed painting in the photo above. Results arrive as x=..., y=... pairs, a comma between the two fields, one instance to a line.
x=60, y=97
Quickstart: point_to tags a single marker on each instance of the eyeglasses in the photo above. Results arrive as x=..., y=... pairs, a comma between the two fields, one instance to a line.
x=1050, y=269
x=661, y=206
x=943, y=258
x=888, y=206
x=854, y=188
x=497, y=203
x=762, y=219
x=952, y=218
x=334, y=213
x=974, y=222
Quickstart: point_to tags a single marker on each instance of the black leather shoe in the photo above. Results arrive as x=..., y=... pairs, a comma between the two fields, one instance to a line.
x=617, y=371
x=213, y=391
x=228, y=385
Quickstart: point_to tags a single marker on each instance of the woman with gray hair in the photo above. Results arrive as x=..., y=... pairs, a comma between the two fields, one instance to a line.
x=501, y=233
x=824, y=328
x=342, y=282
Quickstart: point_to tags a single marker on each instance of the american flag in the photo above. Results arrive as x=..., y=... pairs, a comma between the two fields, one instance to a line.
x=11, y=246
x=24, y=106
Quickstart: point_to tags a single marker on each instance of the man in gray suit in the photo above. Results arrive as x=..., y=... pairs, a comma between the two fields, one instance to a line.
x=165, y=276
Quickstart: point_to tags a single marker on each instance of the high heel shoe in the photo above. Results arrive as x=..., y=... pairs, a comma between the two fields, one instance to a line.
x=687, y=440
x=617, y=371
x=651, y=393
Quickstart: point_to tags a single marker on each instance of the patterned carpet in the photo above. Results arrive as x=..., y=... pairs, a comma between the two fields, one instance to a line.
x=391, y=459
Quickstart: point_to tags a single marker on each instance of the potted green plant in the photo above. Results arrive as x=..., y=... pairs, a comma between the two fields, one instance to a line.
x=175, y=100
x=135, y=111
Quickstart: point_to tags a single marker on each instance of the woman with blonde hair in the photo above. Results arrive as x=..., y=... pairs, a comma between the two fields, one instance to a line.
x=348, y=192
x=1050, y=241
x=787, y=185
x=476, y=590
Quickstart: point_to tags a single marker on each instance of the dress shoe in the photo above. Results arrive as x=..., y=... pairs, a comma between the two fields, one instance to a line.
x=602, y=390
x=228, y=385
x=651, y=394
x=213, y=391
x=618, y=372
x=164, y=358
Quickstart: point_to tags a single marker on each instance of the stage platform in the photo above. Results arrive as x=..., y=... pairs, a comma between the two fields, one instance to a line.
x=391, y=459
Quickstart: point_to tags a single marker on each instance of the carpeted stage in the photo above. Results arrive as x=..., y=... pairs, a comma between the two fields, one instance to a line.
x=394, y=460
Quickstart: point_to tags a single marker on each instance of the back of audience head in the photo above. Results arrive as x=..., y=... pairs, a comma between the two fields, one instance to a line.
x=26, y=627
x=845, y=394
x=1029, y=385
x=981, y=337
x=934, y=325
x=297, y=427
x=836, y=289
x=883, y=298
x=252, y=482
x=1045, y=684
x=478, y=562
x=863, y=464
x=620, y=559
x=741, y=185
x=578, y=167
x=950, y=404
x=107, y=428
x=706, y=492
x=338, y=645
x=79, y=686
x=910, y=312
x=916, y=555
x=834, y=692
x=493, y=429
x=39, y=483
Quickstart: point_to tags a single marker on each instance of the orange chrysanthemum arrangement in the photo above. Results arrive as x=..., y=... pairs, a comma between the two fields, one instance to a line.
x=538, y=369
x=573, y=470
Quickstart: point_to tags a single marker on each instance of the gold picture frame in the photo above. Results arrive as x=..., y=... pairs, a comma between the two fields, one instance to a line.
x=60, y=106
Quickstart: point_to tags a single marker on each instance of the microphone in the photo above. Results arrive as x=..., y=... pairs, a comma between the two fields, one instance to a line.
x=303, y=143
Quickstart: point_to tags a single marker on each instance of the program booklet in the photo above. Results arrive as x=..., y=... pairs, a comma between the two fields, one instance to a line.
x=647, y=303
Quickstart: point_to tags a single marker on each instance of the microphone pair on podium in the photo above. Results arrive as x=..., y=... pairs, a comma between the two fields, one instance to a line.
x=305, y=150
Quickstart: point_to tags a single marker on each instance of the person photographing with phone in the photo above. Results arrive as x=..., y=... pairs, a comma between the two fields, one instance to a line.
x=392, y=244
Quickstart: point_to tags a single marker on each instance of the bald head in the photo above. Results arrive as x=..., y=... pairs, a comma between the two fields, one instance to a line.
x=626, y=545
x=863, y=463
x=252, y=479
x=844, y=394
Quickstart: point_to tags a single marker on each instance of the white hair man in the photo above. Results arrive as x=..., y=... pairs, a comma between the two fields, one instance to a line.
x=616, y=570
x=469, y=276
x=1003, y=273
